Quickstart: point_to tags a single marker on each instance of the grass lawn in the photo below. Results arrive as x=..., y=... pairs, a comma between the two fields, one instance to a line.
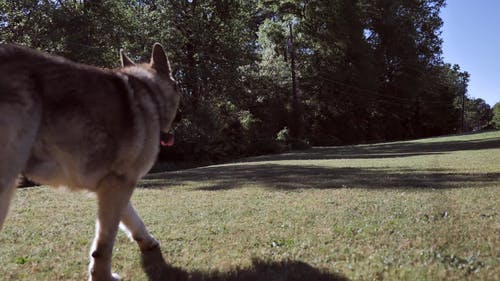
x=418, y=210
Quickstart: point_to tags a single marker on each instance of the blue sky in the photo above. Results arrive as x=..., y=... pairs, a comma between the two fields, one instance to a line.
x=471, y=35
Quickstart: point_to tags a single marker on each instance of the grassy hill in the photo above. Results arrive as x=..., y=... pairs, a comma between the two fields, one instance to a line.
x=418, y=210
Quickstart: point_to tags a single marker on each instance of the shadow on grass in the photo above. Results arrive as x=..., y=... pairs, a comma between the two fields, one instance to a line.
x=285, y=176
x=293, y=177
x=157, y=269
x=383, y=150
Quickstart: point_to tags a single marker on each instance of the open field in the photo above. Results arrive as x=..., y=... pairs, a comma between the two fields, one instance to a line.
x=419, y=210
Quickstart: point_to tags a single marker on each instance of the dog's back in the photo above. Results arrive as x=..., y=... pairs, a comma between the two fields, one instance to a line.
x=49, y=106
x=15, y=53
x=75, y=114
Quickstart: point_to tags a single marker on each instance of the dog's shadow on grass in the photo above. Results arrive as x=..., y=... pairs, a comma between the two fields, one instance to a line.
x=156, y=269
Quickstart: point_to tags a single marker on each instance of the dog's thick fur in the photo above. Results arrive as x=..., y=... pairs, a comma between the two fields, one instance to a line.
x=68, y=124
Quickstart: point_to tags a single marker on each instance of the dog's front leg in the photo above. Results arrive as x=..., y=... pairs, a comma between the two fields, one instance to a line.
x=113, y=195
x=136, y=229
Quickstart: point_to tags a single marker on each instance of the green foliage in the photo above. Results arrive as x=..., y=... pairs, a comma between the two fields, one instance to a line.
x=495, y=120
x=366, y=70
x=477, y=114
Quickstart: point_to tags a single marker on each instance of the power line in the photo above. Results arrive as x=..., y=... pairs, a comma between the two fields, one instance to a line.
x=373, y=94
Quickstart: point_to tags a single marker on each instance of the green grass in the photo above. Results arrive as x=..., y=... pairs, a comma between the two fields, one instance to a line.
x=419, y=210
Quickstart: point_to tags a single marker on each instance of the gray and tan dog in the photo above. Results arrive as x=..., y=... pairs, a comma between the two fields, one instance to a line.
x=68, y=124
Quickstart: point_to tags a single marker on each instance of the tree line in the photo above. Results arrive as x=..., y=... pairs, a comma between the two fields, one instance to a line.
x=261, y=76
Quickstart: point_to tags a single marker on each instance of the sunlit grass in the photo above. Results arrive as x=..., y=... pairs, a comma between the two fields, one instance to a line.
x=421, y=210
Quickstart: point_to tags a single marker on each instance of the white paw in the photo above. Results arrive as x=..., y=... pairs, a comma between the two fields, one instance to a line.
x=115, y=277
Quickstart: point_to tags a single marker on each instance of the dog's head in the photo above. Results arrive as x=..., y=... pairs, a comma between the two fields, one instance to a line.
x=158, y=76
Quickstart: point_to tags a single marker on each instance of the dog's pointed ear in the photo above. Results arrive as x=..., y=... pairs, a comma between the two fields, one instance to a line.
x=159, y=60
x=126, y=61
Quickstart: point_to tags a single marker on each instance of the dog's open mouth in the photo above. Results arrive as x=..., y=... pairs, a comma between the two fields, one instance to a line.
x=167, y=139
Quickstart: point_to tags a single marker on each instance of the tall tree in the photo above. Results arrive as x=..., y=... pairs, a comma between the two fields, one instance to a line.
x=495, y=120
x=405, y=36
x=477, y=114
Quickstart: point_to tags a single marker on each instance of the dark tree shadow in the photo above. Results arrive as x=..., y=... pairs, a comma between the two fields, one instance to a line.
x=382, y=150
x=293, y=177
x=156, y=268
x=274, y=175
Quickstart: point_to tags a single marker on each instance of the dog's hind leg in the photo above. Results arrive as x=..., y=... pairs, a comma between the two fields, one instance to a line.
x=8, y=176
x=113, y=195
x=7, y=188
x=11, y=165
x=18, y=126
x=135, y=228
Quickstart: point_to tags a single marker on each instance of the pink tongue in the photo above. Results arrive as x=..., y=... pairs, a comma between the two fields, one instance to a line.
x=169, y=141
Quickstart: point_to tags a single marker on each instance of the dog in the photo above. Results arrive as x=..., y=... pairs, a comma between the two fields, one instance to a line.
x=86, y=128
